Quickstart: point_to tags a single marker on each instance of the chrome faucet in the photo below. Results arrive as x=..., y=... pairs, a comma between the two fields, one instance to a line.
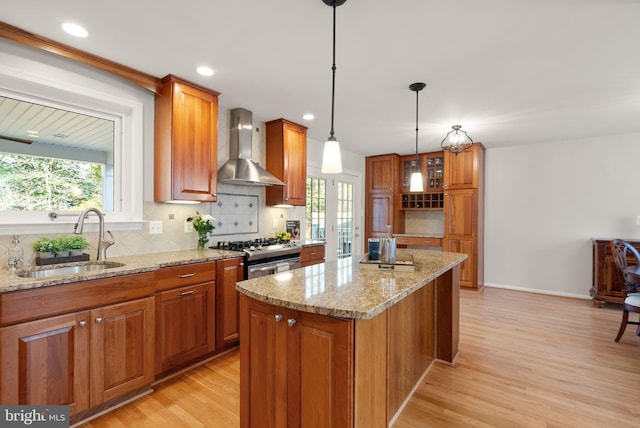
x=103, y=244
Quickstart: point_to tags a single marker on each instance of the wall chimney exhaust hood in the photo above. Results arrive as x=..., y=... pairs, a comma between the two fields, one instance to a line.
x=240, y=169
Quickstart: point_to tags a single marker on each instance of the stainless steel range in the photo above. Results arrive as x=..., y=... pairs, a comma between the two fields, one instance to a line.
x=265, y=256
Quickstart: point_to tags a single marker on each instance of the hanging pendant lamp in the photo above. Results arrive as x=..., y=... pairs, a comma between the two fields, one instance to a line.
x=331, y=159
x=456, y=141
x=416, y=184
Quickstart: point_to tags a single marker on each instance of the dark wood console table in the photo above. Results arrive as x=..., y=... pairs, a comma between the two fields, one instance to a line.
x=607, y=283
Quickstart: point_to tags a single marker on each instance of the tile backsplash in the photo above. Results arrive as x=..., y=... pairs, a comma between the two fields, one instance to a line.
x=421, y=222
x=242, y=217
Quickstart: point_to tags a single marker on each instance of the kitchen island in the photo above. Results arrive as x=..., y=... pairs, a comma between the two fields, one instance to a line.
x=340, y=345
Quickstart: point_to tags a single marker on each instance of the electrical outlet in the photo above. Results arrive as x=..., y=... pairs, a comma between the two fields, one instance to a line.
x=188, y=227
x=275, y=223
x=155, y=227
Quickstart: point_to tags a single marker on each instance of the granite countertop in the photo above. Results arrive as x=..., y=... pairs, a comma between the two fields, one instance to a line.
x=344, y=289
x=132, y=264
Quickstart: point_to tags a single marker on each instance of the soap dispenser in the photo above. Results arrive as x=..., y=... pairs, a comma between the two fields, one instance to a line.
x=15, y=255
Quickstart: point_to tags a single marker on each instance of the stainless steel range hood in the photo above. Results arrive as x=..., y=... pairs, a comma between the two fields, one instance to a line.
x=240, y=169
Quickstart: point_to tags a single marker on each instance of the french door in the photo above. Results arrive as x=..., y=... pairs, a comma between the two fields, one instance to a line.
x=332, y=212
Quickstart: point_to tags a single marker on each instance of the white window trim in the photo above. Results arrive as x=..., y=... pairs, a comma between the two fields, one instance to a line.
x=37, y=80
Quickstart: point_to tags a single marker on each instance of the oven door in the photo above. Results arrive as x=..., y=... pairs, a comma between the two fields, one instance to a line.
x=269, y=268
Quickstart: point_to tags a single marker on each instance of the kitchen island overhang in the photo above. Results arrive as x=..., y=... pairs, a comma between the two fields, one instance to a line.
x=341, y=345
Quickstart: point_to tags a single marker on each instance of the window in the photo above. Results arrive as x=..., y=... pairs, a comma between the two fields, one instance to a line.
x=114, y=109
x=315, y=213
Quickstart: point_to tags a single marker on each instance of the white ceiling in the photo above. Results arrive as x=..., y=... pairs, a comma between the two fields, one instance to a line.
x=510, y=71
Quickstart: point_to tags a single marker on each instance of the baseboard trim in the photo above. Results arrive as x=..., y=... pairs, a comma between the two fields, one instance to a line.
x=538, y=291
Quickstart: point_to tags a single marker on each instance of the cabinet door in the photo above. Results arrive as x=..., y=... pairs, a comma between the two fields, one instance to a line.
x=469, y=267
x=122, y=339
x=381, y=173
x=186, y=146
x=228, y=272
x=461, y=232
x=461, y=213
x=286, y=144
x=185, y=325
x=295, y=164
x=46, y=362
x=464, y=170
x=379, y=214
x=325, y=354
x=263, y=365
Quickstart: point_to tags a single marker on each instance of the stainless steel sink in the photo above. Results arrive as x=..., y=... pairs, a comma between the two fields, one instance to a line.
x=67, y=269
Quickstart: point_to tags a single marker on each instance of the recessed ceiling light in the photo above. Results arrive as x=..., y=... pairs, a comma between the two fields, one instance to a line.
x=74, y=29
x=33, y=133
x=204, y=71
x=308, y=116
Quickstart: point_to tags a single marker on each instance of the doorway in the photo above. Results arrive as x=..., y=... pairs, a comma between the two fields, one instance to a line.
x=332, y=212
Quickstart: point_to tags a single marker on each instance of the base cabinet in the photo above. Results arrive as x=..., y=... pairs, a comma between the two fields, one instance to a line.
x=55, y=350
x=312, y=255
x=81, y=359
x=185, y=314
x=298, y=368
x=228, y=272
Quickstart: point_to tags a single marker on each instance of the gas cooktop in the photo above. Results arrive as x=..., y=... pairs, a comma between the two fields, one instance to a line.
x=261, y=248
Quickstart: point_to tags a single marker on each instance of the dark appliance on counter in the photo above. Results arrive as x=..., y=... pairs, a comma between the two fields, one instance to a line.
x=264, y=256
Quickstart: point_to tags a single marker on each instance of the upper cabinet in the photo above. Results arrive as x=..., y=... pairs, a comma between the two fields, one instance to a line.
x=186, y=142
x=382, y=202
x=287, y=161
x=431, y=166
x=465, y=170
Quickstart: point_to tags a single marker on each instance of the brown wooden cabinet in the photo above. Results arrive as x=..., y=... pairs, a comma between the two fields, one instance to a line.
x=464, y=212
x=431, y=166
x=464, y=170
x=312, y=255
x=607, y=284
x=81, y=359
x=186, y=142
x=299, y=367
x=54, y=351
x=286, y=148
x=185, y=314
x=228, y=272
x=383, y=205
x=122, y=338
x=417, y=241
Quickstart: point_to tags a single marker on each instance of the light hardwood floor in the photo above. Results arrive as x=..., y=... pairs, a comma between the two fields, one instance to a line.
x=525, y=360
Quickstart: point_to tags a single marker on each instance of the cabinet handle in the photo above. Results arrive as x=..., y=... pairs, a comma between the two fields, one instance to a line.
x=82, y=323
x=98, y=320
x=278, y=317
x=291, y=322
x=186, y=275
x=186, y=293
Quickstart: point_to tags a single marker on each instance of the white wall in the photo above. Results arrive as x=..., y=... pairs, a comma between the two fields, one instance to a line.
x=545, y=202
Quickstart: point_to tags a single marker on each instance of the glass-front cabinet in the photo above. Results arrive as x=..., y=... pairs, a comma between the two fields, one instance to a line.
x=431, y=165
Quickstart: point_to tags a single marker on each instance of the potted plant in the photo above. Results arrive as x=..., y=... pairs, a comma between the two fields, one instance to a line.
x=61, y=246
x=77, y=244
x=45, y=248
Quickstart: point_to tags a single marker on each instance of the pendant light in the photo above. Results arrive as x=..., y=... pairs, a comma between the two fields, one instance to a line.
x=331, y=160
x=416, y=177
x=456, y=141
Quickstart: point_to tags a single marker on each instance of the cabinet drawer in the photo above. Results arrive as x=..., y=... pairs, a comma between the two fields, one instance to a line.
x=183, y=275
x=44, y=302
x=313, y=253
x=417, y=241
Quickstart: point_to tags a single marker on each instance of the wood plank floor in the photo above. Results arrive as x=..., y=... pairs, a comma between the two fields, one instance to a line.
x=526, y=360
